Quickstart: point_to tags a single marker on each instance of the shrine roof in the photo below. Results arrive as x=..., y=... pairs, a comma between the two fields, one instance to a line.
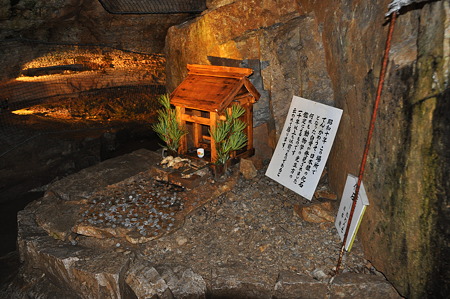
x=213, y=88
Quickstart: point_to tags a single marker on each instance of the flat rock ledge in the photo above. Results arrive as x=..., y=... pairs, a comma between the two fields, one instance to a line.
x=59, y=262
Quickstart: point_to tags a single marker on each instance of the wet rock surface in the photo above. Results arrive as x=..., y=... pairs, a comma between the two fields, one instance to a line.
x=234, y=237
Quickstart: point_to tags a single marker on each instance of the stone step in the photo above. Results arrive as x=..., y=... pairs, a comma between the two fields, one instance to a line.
x=92, y=273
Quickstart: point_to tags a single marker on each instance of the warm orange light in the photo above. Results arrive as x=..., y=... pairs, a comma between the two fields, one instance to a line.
x=23, y=112
x=40, y=78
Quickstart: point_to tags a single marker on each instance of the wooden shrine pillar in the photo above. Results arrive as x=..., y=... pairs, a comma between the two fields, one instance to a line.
x=183, y=142
x=213, y=117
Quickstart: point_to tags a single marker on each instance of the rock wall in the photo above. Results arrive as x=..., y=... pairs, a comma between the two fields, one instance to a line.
x=403, y=230
x=80, y=22
x=331, y=51
x=83, y=21
x=264, y=37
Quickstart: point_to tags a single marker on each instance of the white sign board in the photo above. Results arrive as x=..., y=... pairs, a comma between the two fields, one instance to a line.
x=304, y=145
x=346, y=206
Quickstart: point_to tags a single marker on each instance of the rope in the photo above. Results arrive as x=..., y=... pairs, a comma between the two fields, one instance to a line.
x=369, y=135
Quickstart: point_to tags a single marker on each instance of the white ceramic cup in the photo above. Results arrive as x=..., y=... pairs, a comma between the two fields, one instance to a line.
x=200, y=152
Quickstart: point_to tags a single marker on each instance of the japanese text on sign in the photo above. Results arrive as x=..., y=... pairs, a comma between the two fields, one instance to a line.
x=345, y=207
x=304, y=145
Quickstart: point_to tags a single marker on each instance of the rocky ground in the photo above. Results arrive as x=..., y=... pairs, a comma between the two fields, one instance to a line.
x=255, y=228
x=250, y=240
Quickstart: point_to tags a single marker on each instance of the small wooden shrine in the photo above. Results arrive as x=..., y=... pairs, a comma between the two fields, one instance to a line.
x=203, y=98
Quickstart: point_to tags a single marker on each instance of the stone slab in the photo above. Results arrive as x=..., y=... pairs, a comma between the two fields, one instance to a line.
x=146, y=282
x=57, y=217
x=353, y=285
x=293, y=285
x=86, y=272
x=84, y=183
x=346, y=285
x=188, y=182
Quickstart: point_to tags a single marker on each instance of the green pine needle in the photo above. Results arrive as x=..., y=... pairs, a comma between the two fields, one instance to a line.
x=167, y=127
x=229, y=135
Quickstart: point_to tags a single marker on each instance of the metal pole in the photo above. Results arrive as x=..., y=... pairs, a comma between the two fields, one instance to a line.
x=369, y=135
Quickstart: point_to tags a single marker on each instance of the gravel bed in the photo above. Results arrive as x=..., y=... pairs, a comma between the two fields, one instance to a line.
x=253, y=229
x=148, y=207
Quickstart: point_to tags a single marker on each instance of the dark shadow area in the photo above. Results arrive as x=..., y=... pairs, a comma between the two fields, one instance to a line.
x=63, y=135
x=91, y=147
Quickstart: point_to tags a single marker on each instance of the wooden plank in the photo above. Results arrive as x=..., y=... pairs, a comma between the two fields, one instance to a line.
x=251, y=88
x=213, y=117
x=246, y=154
x=205, y=93
x=183, y=142
x=227, y=101
x=196, y=119
x=200, y=120
x=244, y=99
